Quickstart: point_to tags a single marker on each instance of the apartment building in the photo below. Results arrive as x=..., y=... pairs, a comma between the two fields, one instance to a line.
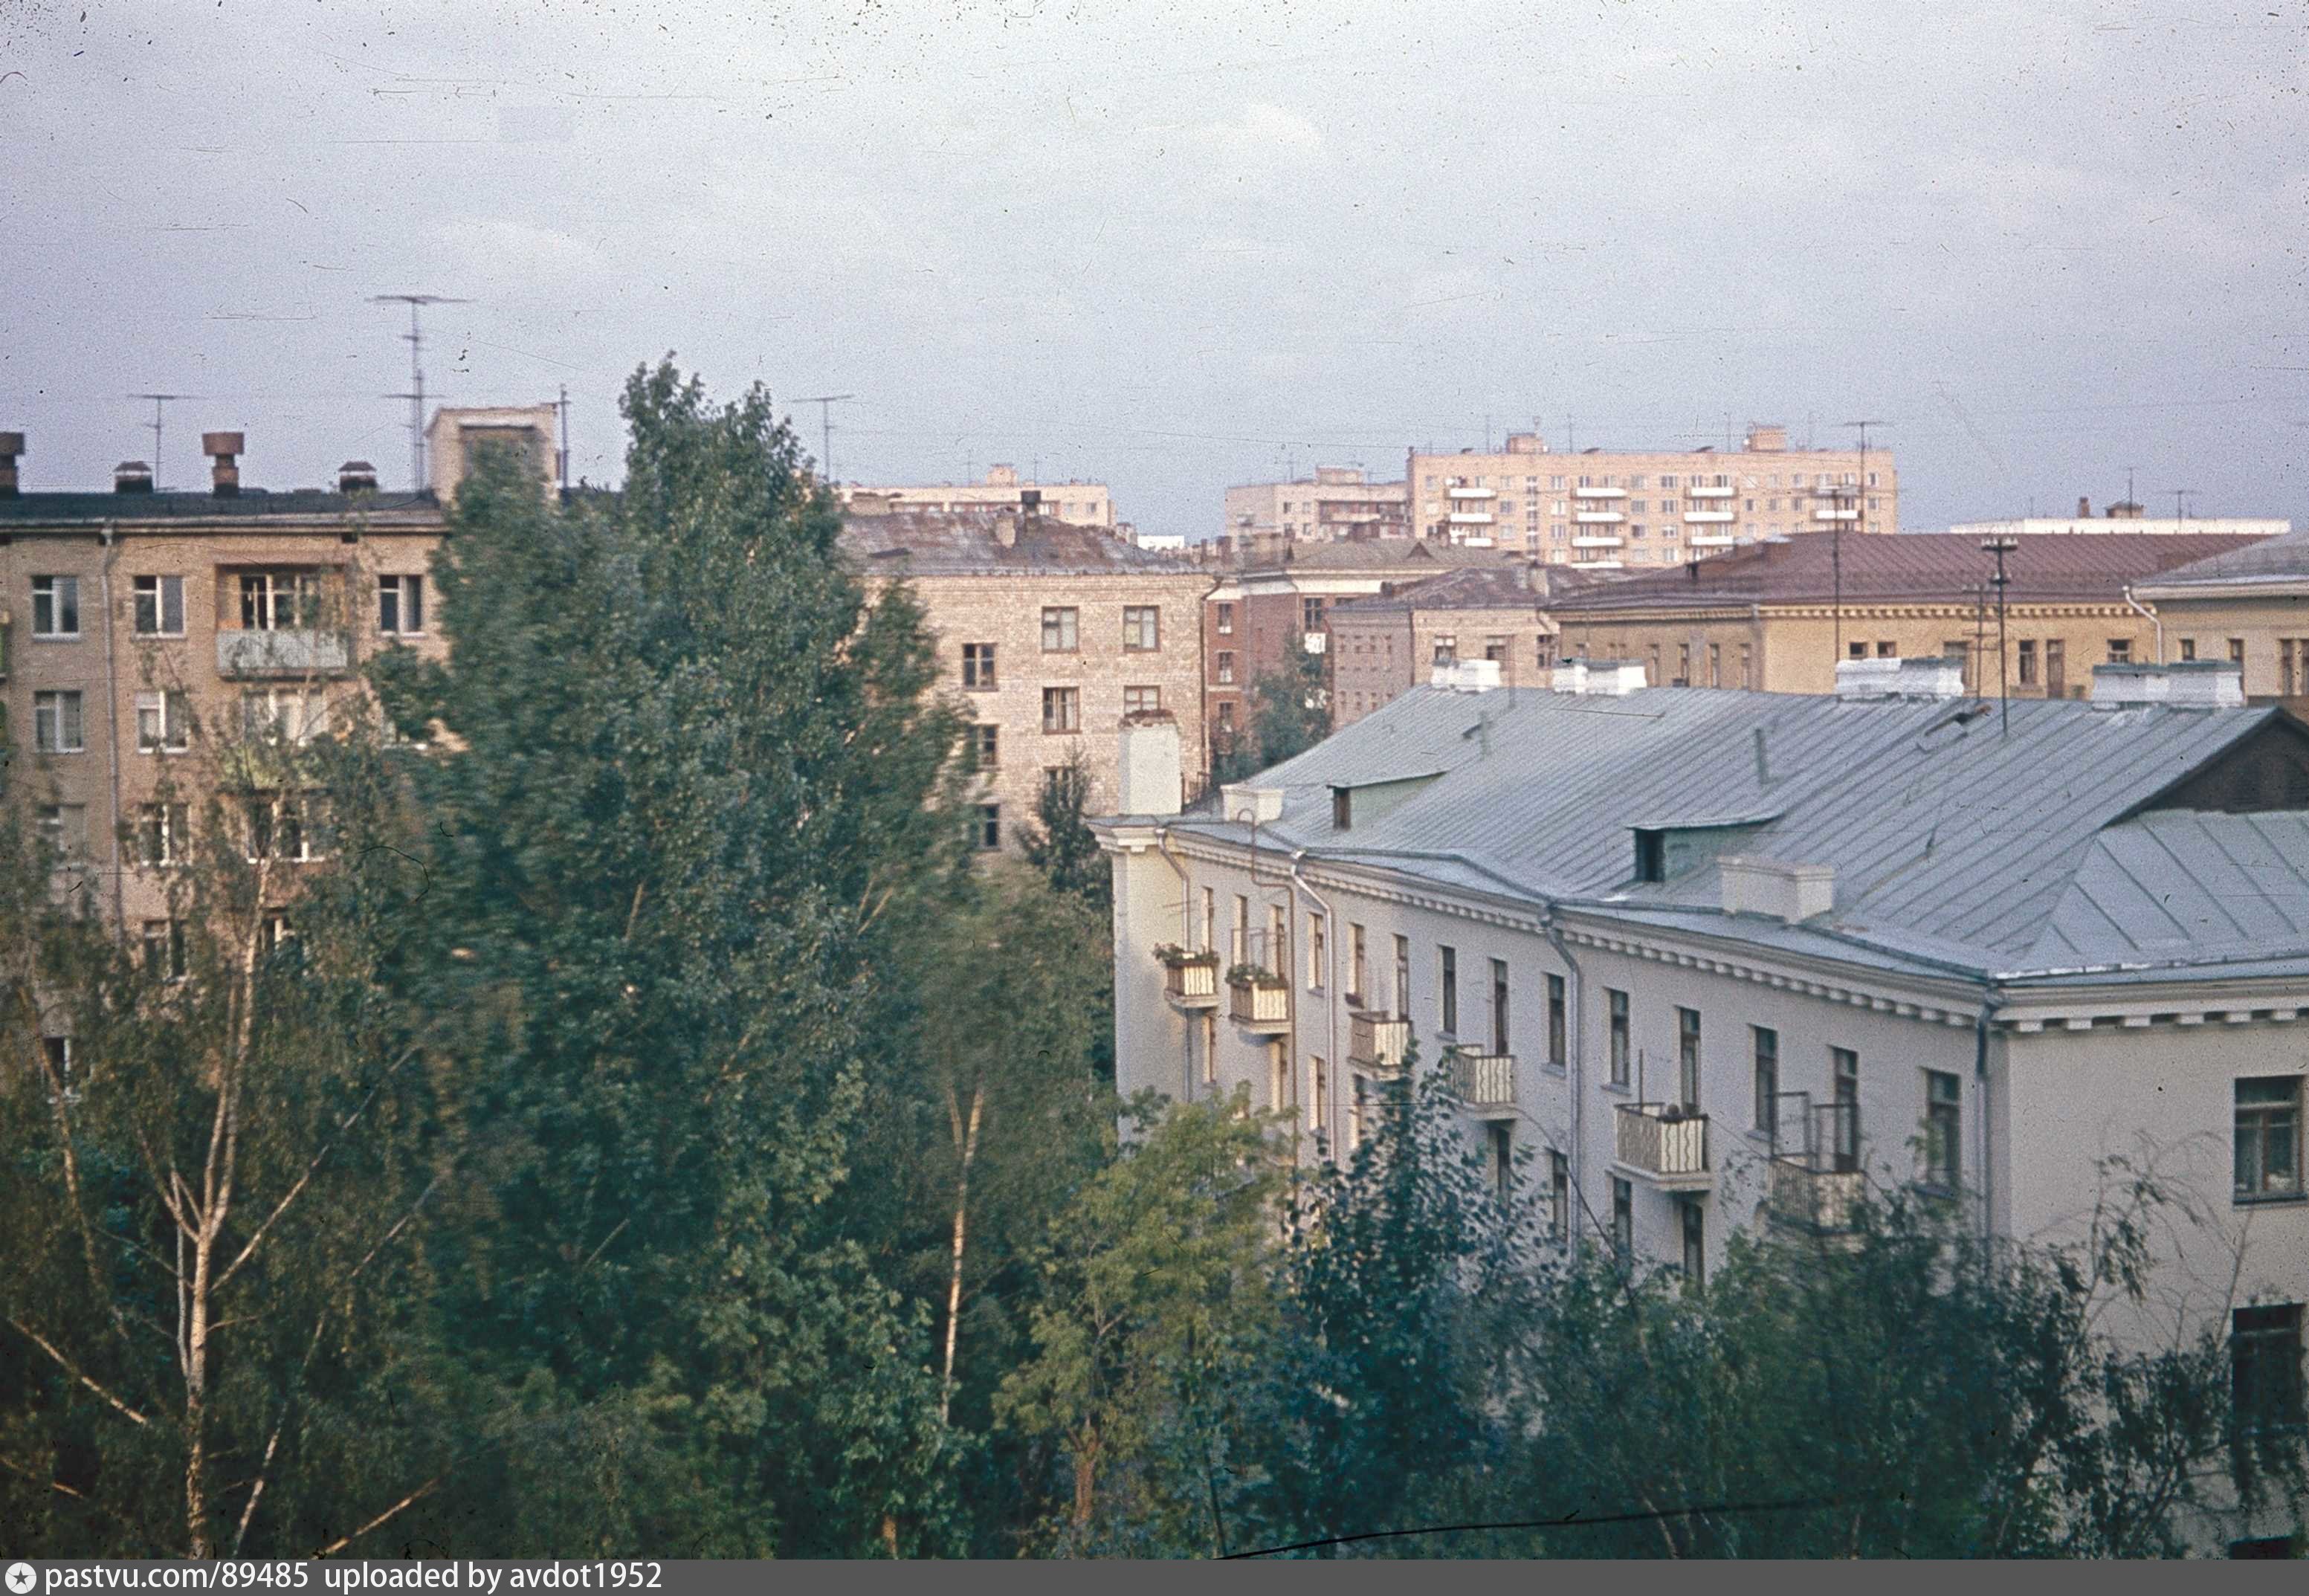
x=1337, y=504
x=1050, y=635
x=144, y=633
x=1380, y=647
x=1614, y=510
x=2249, y=605
x=1716, y=959
x=1276, y=599
x=2125, y=515
x=1077, y=503
x=1781, y=616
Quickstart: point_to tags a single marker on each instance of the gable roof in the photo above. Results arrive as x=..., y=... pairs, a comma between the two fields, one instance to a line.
x=1915, y=566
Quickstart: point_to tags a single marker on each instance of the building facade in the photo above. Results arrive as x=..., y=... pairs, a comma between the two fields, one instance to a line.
x=1695, y=962
x=1380, y=647
x=1614, y=510
x=1049, y=635
x=1337, y=504
x=1077, y=503
x=1781, y=616
x=2249, y=605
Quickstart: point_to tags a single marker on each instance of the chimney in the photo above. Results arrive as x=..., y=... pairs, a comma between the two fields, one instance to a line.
x=1250, y=805
x=1152, y=779
x=1006, y=529
x=1776, y=888
x=1930, y=677
x=12, y=444
x=2186, y=684
x=1466, y=675
x=1030, y=501
x=356, y=477
x=132, y=476
x=2084, y=508
x=224, y=450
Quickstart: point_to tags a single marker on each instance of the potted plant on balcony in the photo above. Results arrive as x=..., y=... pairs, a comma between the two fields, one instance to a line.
x=1172, y=957
x=1252, y=975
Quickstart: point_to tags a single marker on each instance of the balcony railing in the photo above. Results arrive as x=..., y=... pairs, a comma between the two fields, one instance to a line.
x=1664, y=1144
x=1192, y=982
x=282, y=653
x=1484, y=1082
x=1260, y=1004
x=1377, y=1042
x=1805, y=1198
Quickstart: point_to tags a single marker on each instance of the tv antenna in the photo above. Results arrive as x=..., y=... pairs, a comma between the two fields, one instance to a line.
x=826, y=404
x=2000, y=547
x=2181, y=502
x=416, y=394
x=158, y=401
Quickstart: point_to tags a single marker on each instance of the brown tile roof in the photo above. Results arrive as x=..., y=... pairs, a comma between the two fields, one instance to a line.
x=965, y=543
x=1916, y=567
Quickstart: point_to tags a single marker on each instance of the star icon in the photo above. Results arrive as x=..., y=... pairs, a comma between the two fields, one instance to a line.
x=22, y=1579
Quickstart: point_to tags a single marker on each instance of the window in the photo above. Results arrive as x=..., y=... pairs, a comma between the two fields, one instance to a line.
x=1651, y=855
x=2028, y=662
x=2268, y=1138
x=1695, y=1246
x=1310, y=615
x=1502, y=1139
x=1844, y=1064
x=274, y=932
x=1623, y=1218
x=1059, y=630
x=164, y=723
x=1446, y=649
x=1618, y=1002
x=986, y=747
x=1500, y=1043
x=1943, y=1123
x=56, y=607
x=1857, y=650
x=2265, y=1366
x=1687, y=1057
x=1558, y=1195
x=2188, y=648
x=160, y=606
x=989, y=829
x=1886, y=650
x=1142, y=629
x=280, y=715
x=1240, y=953
x=58, y=1050
x=400, y=606
x=277, y=830
x=2120, y=650
x=1747, y=665
x=56, y=723
x=1210, y=939
x=1061, y=709
x=1226, y=620
x=1557, y=1030
x=1357, y=988
x=162, y=835
x=1767, y=1051
x=279, y=600
x=164, y=949
x=1318, y=1091
x=1278, y=943
x=1403, y=978
x=2236, y=650
x=978, y=666
x=1225, y=668
x=1278, y=1077
x=64, y=830
x=1449, y=991
x=1495, y=648
x=1319, y=950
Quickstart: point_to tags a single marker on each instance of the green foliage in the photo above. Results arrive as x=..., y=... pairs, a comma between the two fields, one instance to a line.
x=1293, y=707
x=1059, y=841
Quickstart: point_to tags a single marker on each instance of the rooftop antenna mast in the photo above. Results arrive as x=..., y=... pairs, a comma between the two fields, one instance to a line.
x=159, y=400
x=2000, y=547
x=826, y=404
x=2179, y=503
x=1848, y=503
x=415, y=337
x=564, y=451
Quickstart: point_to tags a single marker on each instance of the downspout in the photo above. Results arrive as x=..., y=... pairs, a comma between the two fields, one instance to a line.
x=112, y=724
x=1987, y=1149
x=2150, y=617
x=1331, y=1060
x=1186, y=939
x=1574, y=1061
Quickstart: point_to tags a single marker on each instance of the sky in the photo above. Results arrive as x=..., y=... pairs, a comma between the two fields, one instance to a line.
x=1177, y=246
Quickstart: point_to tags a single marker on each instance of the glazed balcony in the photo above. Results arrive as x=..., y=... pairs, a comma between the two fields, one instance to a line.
x=1258, y=1001
x=1378, y=1042
x=1663, y=1144
x=1484, y=1082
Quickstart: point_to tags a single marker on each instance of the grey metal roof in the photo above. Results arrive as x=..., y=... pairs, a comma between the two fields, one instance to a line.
x=2284, y=558
x=1954, y=843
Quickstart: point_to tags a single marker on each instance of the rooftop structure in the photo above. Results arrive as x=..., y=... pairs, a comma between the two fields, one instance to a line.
x=1335, y=504
x=1080, y=504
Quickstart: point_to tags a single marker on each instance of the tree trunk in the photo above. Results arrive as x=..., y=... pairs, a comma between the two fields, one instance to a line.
x=969, y=1143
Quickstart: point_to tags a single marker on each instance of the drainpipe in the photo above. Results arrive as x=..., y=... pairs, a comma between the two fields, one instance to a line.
x=1987, y=1149
x=1331, y=1060
x=112, y=723
x=1574, y=1063
x=1186, y=939
x=2150, y=617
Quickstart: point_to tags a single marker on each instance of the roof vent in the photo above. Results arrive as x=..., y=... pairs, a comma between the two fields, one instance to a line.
x=1932, y=677
x=1776, y=888
x=1257, y=805
x=224, y=449
x=132, y=476
x=2188, y=685
x=12, y=444
x=1599, y=678
x=355, y=476
x=1466, y=675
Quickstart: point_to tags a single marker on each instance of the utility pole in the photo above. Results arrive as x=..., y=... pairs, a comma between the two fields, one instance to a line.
x=1999, y=547
x=826, y=404
x=415, y=337
x=158, y=399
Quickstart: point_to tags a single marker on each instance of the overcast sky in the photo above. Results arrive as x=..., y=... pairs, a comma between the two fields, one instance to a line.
x=1177, y=246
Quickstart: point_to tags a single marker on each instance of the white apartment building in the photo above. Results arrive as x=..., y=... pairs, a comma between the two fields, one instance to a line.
x=1337, y=504
x=1719, y=958
x=1610, y=510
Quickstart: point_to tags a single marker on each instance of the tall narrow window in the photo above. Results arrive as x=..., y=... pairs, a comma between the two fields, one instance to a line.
x=164, y=722
x=160, y=606
x=56, y=607
x=978, y=666
x=1558, y=1195
x=164, y=949
x=1944, y=1131
x=1318, y=951
x=1226, y=620
x=986, y=747
x=1623, y=1218
x=162, y=835
x=2265, y=1366
x=1558, y=1029
x=1240, y=953
x=1767, y=1049
x=1503, y=1134
x=1278, y=1077
x=1448, y=990
x=1210, y=940
x=1500, y=1043
x=1687, y=1057
x=988, y=828
x=1618, y=1002
x=1695, y=1246
x=1403, y=978
x=1357, y=988
x=1318, y=1092
x=1844, y=1064
x=2268, y=1137
x=400, y=606
x=1225, y=668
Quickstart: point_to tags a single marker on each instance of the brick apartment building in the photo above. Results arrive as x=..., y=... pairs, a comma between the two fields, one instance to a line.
x=1050, y=633
x=1613, y=510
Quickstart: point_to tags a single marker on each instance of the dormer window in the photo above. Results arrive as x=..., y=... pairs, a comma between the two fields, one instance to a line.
x=1651, y=855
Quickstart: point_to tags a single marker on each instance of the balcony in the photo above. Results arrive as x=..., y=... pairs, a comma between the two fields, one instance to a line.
x=1190, y=981
x=1596, y=565
x=1484, y=1083
x=1664, y=1145
x=1598, y=540
x=1259, y=1002
x=1599, y=493
x=1597, y=517
x=1707, y=516
x=260, y=654
x=1474, y=493
x=1835, y=515
x=1378, y=1043
x=1818, y=1201
x=1469, y=518
x=1711, y=541
x=1697, y=492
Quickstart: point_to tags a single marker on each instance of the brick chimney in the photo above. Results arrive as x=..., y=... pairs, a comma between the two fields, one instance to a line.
x=12, y=444
x=2084, y=508
x=223, y=450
